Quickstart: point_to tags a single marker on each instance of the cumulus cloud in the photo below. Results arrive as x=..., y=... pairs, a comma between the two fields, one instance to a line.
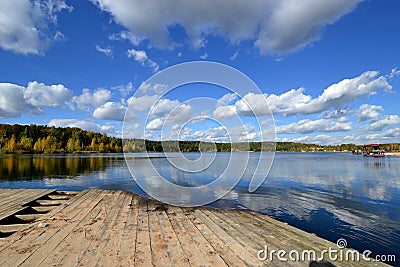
x=16, y=99
x=383, y=122
x=106, y=51
x=307, y=126
x=155, y=124
x=88, y=100
x=41, y=95
x=113, y=111
x=142, y=102
x=368, y=112
x=13, y=103
x=226, y=99
x=336, y=114
x=274, y=26
x=295, y=102
x=83, y=124
x=25, y=25
x=141, y=57
x=391, y=135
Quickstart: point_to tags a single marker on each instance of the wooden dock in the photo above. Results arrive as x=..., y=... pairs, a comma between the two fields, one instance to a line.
x=116, y=228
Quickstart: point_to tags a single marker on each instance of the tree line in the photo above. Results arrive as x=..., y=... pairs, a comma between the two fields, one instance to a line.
x=44, y=139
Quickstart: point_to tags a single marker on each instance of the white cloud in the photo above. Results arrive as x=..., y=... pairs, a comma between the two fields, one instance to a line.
x=274, y=26
x=151, y=89
x=106, y=51
x=83, y=124
x=318, y=139
x=141, y=57
x=12, y=101
x=124, y=90
x=394, y=73
x=391, y=135
x=155, y=124
x=234, y=56
x=15, y=99
x=368, y=112
x=224, y=112
x=337, y=114
x=25, y=25
x=293, y=24
x=346, y=91
x=204, y=56
x=142, y=102
x=295, y=102
x=307, y=126
x=88, y=100
x=41, y=95
x=226, y=99
x=383, y=122
x=163, y=107
x=113, y=111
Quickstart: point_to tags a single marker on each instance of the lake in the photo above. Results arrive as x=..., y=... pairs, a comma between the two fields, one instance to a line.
x=335, y=195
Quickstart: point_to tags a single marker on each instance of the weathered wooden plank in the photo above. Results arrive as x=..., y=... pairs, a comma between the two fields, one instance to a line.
x=102, y=233
x=46, y=202
x=17, y=202
x=60, y=196
x=247, y=234
x=127, y=249
x=11, y=228
x=28, y=217
x=64, y=230
x=241, y=251
x=220, y=247
x=191, y=244
x=72, y=247
x=38, y=242
x=9, y=241
x=107, y=253
x=143, y=245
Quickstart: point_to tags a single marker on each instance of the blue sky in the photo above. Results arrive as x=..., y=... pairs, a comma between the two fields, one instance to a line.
x=328, y=70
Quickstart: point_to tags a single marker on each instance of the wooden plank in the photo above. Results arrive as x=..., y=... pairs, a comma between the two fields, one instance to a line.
x=59, y=197
x=165, y=247
x=28, y=217
x=78, y=237
x=233, y=244
x=93, y=252
x=220, y=247
x=45, y=202
x=193, y=244
x=64, y=229
x=38, y=241
x=107, y=252
x=249, y=235
x=18, y=201
x=43, y=209
x=127, y=249
x=12, y=228
x=143, y=245
x=24, y=197
x=9, y=241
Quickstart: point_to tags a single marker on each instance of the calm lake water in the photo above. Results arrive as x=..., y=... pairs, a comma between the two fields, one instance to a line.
x=335, y=195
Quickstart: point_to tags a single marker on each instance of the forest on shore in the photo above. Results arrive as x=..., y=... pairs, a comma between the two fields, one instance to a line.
x=44, y=139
